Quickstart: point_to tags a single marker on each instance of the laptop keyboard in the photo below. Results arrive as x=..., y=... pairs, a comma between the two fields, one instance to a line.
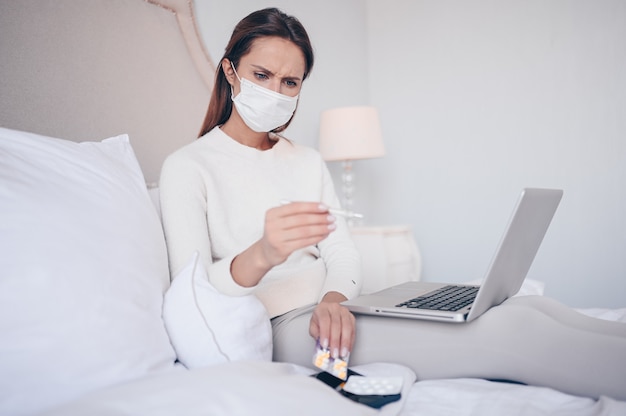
x=447, y=298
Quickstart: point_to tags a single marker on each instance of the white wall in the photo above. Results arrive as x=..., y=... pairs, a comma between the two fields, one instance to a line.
x=478, y=99
x=481, y=98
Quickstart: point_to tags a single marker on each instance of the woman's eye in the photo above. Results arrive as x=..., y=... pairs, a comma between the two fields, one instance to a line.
x=259, y=75
x=291, y=84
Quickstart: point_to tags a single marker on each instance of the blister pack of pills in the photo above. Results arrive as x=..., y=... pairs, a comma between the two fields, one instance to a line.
x=374, y=392
x=323, y=360
x=379, y=386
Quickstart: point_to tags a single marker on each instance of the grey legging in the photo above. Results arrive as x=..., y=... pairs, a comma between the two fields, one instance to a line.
x=529, y=339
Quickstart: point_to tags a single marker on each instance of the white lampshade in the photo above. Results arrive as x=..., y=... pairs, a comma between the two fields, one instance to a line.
x=350, y=133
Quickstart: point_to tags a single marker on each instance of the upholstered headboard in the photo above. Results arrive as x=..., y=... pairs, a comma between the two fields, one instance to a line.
x=90, y=69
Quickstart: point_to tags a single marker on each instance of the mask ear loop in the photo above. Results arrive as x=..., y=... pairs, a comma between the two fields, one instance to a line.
x=234, y=70
x=232, y=91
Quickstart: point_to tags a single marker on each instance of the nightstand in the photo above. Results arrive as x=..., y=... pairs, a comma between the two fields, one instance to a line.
x=389, y=256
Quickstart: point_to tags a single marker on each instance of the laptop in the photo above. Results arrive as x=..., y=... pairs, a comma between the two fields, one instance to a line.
x=463, y=303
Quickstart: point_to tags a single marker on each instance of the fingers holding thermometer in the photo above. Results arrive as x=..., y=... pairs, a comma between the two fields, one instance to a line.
x=287, y=228
x=294, y=225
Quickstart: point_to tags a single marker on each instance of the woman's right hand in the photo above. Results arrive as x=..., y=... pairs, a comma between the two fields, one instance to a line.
x=293, y=226
x=288, y=228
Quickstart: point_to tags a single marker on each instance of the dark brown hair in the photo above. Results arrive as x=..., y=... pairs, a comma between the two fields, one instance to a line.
x=262, y=23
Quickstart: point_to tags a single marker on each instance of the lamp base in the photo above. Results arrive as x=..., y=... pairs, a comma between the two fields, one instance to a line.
x=347, y=188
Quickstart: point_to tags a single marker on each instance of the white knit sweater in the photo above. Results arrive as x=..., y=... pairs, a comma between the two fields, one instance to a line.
x=214, y=195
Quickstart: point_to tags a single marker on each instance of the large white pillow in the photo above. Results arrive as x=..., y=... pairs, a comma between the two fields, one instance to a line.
x=207, y=327
x=83, y=270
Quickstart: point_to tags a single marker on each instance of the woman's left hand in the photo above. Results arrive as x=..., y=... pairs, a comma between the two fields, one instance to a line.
x=333, y=325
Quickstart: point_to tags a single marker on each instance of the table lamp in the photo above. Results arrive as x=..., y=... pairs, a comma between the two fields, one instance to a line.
x=347, y=134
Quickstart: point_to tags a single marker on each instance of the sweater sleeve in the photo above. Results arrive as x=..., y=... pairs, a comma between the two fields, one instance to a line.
x=182, y=210
x=184, y=216
x=343, y=262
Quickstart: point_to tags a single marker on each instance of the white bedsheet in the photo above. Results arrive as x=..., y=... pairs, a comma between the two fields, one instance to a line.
x=460, y=397
x=237, y=388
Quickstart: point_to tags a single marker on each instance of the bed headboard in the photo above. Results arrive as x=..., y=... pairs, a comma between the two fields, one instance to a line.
x=90, y=69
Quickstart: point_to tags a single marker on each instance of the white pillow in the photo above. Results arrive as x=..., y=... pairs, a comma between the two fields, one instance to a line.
x=83, y=269
x=207, y=327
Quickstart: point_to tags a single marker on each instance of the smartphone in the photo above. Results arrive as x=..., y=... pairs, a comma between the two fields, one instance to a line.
x=375, y=401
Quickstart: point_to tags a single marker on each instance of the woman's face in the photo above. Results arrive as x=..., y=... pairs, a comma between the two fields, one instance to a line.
x=274, y=63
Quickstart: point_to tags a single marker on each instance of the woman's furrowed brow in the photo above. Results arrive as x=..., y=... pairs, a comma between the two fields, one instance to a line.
x=267, y=71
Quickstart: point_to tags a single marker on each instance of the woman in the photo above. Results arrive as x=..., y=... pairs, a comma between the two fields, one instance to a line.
x=221, y=196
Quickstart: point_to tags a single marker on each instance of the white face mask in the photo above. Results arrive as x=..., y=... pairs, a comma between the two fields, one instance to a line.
x=261, y=109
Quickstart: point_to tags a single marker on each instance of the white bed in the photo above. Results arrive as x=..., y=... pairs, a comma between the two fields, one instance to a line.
x=84, y=272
